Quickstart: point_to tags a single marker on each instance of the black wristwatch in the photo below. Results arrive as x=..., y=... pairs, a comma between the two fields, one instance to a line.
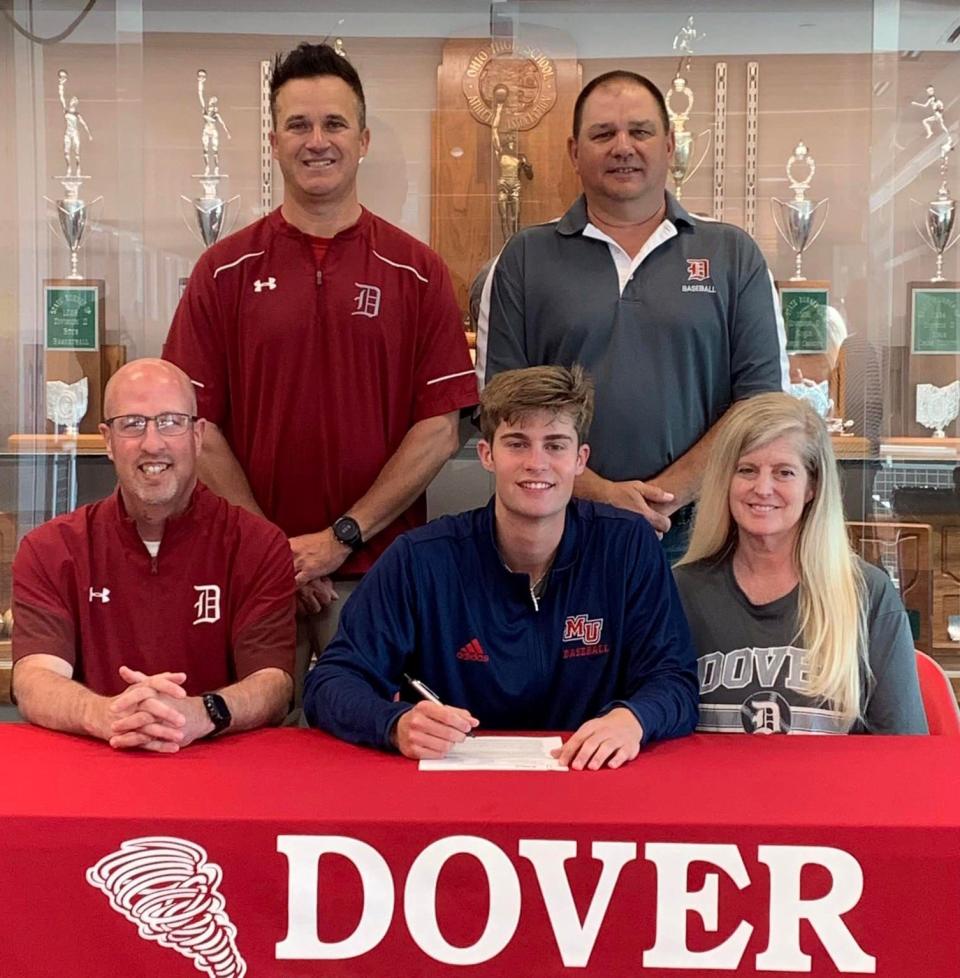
x=347, y=531
x=218, y=711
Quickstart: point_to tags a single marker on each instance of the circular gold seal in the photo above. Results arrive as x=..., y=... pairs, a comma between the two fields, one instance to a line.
x=522, y=78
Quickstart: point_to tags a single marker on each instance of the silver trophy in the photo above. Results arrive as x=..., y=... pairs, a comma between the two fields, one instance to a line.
x=72, y=211
x=817, y=395
x=797, y=220
x=687, y=145
x=67, y=404
x=210, y=210
x=938, y=407
x=939, y=214
x=683, y=43
x=937, y=229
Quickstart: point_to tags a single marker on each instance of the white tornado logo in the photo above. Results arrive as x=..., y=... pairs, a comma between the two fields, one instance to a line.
x=169, y=890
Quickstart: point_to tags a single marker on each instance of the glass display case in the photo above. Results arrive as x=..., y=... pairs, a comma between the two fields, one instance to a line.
x=836, y=122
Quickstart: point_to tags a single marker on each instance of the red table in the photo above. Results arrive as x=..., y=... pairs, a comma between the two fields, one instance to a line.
x=286, y=853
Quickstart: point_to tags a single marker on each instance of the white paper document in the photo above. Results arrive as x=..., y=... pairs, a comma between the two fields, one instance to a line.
x=499, y=754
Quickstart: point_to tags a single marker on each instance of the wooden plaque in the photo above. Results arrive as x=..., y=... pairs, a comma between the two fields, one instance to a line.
x=73, y=315
x=465, y=223
x=73, y=336
x=74, y=343
x=805, y=307
x=934, y=318
x=933, y=312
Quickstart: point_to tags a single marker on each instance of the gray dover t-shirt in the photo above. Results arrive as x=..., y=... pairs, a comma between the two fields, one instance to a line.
x=753, y=675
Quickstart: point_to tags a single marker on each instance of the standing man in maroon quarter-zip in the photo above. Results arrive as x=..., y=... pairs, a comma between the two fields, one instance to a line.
x=327, y=349
x=163, y=613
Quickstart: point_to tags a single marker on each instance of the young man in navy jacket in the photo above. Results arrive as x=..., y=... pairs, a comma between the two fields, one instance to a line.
x=535, y=612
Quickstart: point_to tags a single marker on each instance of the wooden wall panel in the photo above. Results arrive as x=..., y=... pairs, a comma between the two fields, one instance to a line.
x=465, y=224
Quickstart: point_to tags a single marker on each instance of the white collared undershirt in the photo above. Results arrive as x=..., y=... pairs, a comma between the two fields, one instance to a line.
x=626, y=265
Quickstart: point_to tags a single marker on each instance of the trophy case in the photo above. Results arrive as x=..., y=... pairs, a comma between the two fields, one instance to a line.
x=829, y=133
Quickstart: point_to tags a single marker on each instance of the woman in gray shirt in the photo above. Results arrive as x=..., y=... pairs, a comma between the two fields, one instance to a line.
x=794, y=633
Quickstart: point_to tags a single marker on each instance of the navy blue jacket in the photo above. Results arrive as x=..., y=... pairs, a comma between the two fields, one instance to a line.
x=441, y=606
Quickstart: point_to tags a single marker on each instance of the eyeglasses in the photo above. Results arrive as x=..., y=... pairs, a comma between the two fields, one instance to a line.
x=135, y=425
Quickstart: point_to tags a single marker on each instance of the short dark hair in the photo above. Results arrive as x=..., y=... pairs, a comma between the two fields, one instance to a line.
x=516, y=394
x=610, y=78
x=312, y=61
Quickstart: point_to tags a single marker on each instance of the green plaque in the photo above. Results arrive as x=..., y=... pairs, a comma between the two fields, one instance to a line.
x=935, y=320
x=72, y=317
x=805, y=318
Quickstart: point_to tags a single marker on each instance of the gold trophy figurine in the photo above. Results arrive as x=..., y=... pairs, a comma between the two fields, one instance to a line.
x=511, y=164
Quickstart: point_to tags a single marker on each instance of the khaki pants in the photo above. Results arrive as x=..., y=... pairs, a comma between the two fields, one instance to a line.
x=314, y=634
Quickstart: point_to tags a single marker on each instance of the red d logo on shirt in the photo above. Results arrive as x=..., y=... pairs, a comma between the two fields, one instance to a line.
x=698, y=269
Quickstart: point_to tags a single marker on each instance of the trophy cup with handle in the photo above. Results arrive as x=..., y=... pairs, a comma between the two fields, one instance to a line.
x=805, y=304
x=73, y=306
x=939, y=214
x=796, y=219
x=687, y=145
x=933, y=306
x=210, y=210
x=938, y=227
x=72, y=211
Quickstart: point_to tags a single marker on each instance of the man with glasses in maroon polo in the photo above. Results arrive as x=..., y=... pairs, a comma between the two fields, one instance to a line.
x=163, y=613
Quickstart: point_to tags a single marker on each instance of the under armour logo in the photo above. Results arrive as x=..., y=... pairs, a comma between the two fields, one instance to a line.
x=271, y=283
x=207, y=605
x=103, y=595
x=367, y=300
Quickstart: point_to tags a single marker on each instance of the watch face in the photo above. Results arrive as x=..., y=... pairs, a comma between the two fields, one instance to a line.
x=217, y=710
x=347, y=531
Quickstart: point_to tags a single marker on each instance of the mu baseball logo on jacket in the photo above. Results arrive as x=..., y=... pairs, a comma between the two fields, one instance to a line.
x=580, y=628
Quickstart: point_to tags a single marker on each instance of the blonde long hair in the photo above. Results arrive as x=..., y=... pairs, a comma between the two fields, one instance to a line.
x=832, y=598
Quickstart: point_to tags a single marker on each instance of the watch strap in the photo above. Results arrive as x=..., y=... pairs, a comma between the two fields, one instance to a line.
x=218, y=711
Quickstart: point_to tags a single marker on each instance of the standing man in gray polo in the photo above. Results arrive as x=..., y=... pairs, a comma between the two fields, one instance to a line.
x=675, y=318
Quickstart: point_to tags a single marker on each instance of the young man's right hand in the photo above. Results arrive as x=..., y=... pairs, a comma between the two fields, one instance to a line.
x=429, y=730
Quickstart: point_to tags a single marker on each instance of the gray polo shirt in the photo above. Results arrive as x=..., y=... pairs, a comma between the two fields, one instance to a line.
x=694, y=328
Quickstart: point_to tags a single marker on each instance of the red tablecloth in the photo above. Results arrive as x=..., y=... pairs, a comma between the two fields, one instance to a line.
x=286, y=853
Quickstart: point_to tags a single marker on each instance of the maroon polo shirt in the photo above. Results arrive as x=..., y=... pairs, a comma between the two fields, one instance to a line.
x=316, y=372
x=217, y=602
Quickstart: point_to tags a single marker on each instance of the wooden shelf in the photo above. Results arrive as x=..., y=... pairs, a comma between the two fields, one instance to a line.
x=921, y=449
x=851, y=446
x=54, y=444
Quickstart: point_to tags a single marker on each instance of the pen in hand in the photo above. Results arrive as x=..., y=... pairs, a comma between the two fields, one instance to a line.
x=425, y=692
